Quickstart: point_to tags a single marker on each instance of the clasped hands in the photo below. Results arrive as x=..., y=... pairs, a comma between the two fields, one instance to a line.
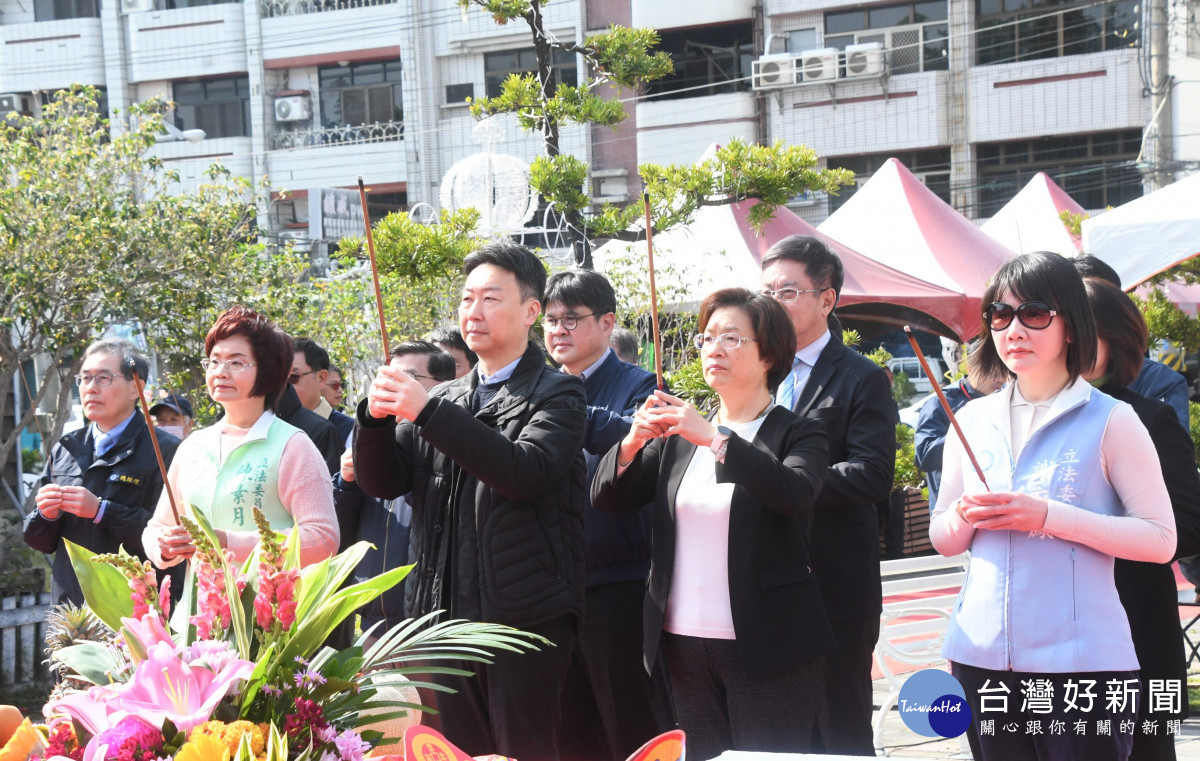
x=53, y=499
x=1003, y=510
x=663, y=415
x=395, y=393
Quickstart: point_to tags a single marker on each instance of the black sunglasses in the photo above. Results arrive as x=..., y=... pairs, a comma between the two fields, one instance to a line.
x=1035, y=315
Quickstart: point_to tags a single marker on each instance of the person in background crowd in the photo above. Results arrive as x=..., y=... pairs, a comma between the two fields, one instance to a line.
x=310, y=374
x=1147, y=590
x=731, y=604
x=933, y=426
x=1072, y=481
x=449, y=339
x=610, y=706
x=334, y=391
x=625, y=343
x=173, y=413
x=102, y=481
x=494, y=464
x=385, y=523
x=1156, y=380
x=850, y=396
x=250, y=458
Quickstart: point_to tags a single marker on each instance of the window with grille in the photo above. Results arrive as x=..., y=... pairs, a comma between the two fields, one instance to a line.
x=498, y=66
x=1096, y=170
x=915, y=36
x=1024, y=30
x=54, y=10
x=708, y=60
x=360, y=94
x=931, y=167
x=220, y=107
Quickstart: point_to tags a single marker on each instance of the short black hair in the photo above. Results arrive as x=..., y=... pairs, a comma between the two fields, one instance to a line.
x=1093, y=266
x=582, y=288
x=773, y=332
x=824, y=268
x=314, y=356
x=1040, y=276
x=515, y=258
x=450, y=335
x=128, y=356
x=441, y=364
x=1119, y=323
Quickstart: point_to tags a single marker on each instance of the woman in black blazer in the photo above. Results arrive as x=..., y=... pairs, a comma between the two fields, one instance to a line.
x=731, y=601
x=1147, y=590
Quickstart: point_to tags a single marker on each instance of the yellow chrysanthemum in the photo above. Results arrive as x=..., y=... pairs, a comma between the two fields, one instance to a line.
x=203, y=747
x=233, y=737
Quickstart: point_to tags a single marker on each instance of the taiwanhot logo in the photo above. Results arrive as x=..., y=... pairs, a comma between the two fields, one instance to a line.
x=933, y=704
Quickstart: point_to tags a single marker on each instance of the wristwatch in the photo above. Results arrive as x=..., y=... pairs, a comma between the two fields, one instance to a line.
x=720, y=442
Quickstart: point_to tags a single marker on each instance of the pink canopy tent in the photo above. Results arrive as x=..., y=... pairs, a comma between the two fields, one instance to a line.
x=719, y=249
x=896, y=220
x=1031, y=221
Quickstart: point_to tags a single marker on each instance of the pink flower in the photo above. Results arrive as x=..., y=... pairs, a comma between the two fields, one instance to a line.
x=164, y=687
x=351, y=746
x=128, y=740
x=148, y=629
x=287, y=614
x=164, y=596
x=95, y=710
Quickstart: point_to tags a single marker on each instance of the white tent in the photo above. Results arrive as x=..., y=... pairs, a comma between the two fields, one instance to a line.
x=1149, y=234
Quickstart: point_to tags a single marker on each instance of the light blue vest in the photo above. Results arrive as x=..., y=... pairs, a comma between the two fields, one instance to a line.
x=1032, y=602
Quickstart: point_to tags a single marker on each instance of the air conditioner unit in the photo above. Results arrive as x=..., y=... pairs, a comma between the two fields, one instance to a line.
x=136, y=6
x=293, y=108
x=775, y=70
x=819, y=65
x=16, y=102
x=865, y=60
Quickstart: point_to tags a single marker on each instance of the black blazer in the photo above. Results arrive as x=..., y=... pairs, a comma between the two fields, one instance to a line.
x=850, y=395
x=1147, y=590
x=777, y=610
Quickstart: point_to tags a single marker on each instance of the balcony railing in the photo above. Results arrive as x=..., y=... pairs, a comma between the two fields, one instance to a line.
x=270, y=8
x=377, y=132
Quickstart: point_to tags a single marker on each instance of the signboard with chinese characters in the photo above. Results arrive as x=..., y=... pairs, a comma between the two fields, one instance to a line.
x=334, y=213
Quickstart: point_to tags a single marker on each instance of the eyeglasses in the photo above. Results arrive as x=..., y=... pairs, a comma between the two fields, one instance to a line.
x=1035, y=315
x=100, y=379
x=234, y=366
x=569, y=321
x=294, y=378
x=335, y=385
x=727, y=341
x=788, y=295
x=417, y=376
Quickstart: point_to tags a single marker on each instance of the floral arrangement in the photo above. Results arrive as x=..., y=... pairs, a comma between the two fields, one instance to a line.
x=239, y=672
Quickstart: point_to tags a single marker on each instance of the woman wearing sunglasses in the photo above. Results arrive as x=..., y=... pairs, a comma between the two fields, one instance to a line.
x=731, y=601
x=249, y=458
x=1038, y=638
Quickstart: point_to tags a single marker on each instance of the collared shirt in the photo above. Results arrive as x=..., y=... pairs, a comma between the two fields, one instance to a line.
x=808, y=357
x=113, y=434
x=323, y=408
x=500, y=375
x=583, y=376
x=1025, y=416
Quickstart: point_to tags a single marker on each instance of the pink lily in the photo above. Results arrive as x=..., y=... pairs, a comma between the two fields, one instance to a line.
x=164, y=687
x=95, y=710
x=148, y=630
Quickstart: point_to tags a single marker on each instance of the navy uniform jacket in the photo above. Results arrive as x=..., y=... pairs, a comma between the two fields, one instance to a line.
x=127, y=476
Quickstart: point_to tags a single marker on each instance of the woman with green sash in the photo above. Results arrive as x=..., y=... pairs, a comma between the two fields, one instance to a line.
x=249, y=458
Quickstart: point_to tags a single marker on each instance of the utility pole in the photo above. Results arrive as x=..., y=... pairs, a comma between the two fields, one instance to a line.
x=1162, y=154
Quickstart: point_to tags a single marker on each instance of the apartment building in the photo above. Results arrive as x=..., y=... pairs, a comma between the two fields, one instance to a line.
x=973, y=95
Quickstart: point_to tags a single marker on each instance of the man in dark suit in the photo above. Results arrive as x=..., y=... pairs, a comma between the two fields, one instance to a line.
x=102, y=481
x=610, y=705
x=851, y=397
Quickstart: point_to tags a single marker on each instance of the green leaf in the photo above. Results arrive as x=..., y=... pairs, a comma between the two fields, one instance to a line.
x=90, y=660
x=105, y=589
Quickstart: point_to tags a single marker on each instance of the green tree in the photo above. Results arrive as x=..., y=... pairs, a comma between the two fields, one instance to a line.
x=91, y=233
x=623, y=59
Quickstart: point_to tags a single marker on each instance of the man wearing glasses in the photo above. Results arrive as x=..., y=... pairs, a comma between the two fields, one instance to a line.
x=101, y=482
x=610, y=705
x=851, y=397
x=295, y=409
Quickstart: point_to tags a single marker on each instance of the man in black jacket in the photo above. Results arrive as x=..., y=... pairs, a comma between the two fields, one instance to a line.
x=610, y=706
x=497, y=479
x=851, y=397
x=318, y=429
x=101, y=482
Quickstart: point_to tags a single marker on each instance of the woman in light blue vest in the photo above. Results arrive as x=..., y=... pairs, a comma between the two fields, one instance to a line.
x=249, y=458
x=1038, y=638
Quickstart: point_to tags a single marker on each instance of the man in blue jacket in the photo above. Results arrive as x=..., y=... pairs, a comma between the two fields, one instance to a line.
x=607, y=680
